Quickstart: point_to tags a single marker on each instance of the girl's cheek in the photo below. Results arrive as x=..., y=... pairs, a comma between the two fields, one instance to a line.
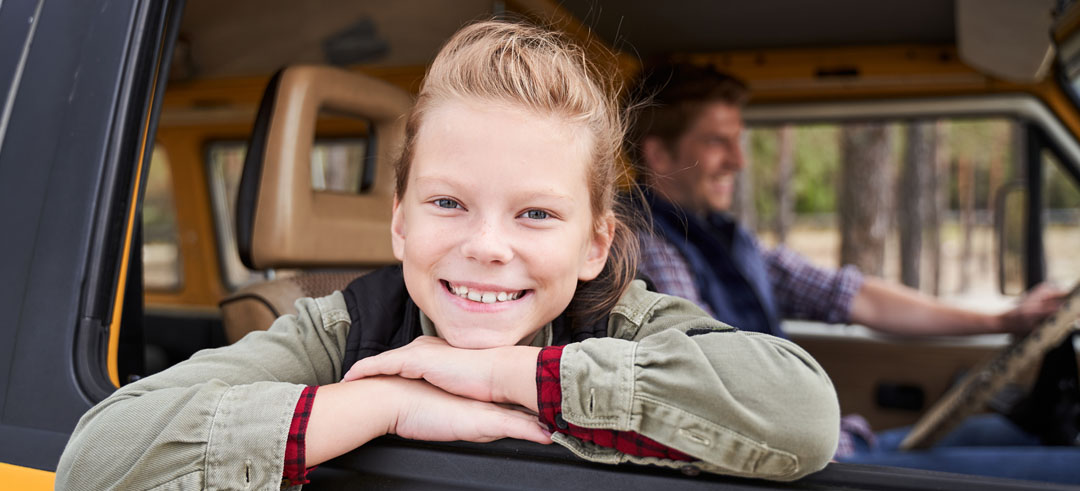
x=434, y=227
x=422, y=236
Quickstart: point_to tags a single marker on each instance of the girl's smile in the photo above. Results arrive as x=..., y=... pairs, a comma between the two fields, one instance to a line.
x=486, y=301
x=483, y=293
x=494, y=229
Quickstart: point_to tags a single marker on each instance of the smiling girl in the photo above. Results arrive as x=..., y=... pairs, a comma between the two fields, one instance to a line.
x=513, y=314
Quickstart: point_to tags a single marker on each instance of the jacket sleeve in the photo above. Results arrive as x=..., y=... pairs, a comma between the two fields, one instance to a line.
x=744, y=404
x=219, y=420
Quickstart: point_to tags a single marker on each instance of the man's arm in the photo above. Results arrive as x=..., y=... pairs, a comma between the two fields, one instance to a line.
x=896, y=309
x=806, y=291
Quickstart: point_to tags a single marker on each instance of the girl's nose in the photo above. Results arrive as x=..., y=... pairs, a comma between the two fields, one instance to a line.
x=487, y=243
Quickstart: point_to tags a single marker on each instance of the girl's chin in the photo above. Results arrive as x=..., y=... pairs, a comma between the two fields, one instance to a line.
x=479, y=338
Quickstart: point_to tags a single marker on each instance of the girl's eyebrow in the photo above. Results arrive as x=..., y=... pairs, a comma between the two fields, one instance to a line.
x=457, y=183
x=440, y=179
x=533, y=195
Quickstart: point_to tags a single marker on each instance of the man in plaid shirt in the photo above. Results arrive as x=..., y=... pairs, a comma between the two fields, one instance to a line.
x=686, y=146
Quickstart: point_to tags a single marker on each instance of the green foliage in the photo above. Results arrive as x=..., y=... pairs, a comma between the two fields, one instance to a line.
x=1060, y=190
x=982, y=143
x=762, y=157
x=817, y=163
x=817, y=168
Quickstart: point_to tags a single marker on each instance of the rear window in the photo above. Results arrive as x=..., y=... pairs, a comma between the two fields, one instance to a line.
x=162, y=267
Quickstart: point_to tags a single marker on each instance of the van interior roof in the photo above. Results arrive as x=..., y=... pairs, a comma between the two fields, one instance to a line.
x=710, y=26
x=256, y=37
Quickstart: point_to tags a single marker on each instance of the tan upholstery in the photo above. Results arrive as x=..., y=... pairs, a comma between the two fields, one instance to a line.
x=256, y=306
x=296, y=227
x=292, y=223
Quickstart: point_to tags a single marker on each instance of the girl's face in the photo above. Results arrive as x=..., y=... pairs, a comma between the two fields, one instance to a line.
x=494, y=229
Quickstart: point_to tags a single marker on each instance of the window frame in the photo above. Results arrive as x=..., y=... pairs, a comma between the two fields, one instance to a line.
x=1043, y=131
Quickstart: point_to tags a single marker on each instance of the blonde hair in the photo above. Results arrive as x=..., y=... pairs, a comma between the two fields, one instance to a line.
x=541, y=71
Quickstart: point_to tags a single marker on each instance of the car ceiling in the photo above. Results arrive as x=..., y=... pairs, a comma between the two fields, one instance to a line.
x=710, y=26
x=256, y=37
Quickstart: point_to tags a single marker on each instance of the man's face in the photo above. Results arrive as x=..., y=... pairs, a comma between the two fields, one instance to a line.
x=698, y=171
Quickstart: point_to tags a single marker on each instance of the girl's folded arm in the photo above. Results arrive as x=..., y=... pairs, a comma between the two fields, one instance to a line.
x=743, y=403
x=219, y=419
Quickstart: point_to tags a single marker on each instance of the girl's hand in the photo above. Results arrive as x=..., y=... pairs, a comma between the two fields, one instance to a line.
x=505, y=374
x=426, y=412
x=349, y=414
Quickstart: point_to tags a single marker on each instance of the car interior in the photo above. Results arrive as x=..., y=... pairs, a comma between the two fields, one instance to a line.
x=281, y=223
x=281, y=122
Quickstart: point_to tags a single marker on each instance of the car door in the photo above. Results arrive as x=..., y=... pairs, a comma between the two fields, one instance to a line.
x=77, y=91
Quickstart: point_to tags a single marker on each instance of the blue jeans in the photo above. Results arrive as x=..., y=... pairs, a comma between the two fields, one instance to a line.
x=987, y=445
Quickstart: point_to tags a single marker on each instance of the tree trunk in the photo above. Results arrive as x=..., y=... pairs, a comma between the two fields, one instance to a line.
x=997, y=163
x=743, y=200
x=939, y=205
x=865, y=197
x=965, y=185
x=785, y=199
x=915, y=198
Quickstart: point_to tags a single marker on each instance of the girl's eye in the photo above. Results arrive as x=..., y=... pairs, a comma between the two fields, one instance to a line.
x=536, y=214
x=447, y=203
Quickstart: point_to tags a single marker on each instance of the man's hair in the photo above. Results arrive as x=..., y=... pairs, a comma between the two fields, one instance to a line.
x=674, y=95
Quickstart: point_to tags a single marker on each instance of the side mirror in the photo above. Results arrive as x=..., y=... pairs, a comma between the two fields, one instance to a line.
x=1010, y=205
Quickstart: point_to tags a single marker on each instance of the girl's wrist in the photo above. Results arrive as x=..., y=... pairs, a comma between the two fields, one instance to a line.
x=515, y=376
x=345, y=416
x=387, y=394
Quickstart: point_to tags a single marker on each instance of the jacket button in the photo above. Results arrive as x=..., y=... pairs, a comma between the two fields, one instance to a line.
x=690, y=470
x=561, y=423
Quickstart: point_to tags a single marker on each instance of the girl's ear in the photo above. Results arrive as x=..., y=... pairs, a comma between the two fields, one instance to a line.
x=657, y=156
x=397, y=229
x=599, y=247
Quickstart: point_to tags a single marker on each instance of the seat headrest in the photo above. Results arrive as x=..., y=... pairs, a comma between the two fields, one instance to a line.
x=281, y=222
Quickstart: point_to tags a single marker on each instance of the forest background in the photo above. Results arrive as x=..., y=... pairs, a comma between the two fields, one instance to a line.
x=911, y=201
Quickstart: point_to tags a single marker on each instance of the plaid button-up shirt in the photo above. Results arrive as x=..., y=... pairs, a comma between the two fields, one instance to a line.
x=801, y=289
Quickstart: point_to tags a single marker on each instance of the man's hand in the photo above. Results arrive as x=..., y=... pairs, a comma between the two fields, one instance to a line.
x=895, y=309
x=1037, y=305
x=505, y=374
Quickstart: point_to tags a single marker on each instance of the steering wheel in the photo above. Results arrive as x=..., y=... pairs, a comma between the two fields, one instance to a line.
x=973, y=392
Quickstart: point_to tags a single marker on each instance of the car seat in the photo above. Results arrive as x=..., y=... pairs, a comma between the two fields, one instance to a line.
x=281, y=222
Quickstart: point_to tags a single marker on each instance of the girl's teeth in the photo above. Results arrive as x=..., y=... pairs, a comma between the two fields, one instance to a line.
x=484, y=297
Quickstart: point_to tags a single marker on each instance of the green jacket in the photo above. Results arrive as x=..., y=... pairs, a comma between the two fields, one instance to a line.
x=745, y=404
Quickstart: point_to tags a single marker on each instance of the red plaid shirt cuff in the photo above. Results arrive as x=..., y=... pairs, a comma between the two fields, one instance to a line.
x=549, y=401
x=295, y=460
